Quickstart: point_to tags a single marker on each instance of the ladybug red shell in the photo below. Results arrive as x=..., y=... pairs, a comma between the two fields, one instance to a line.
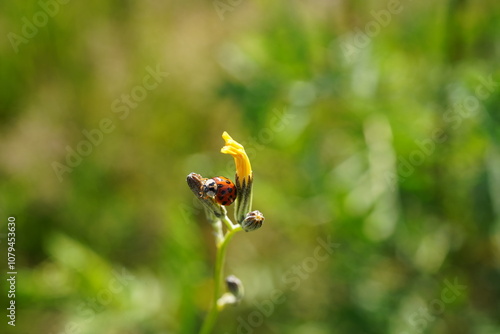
x=221, y=189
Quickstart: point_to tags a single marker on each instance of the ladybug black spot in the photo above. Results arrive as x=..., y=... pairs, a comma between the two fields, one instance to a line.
x=219, y=185
x=228, y=182
x=221, y=197
x=230, y=190
x=223, y=192
x=224, y=203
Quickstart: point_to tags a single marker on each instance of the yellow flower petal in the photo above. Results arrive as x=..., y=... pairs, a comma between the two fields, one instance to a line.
x=243, y=167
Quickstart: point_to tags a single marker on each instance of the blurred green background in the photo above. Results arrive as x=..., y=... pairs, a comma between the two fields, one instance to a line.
x=374, y=125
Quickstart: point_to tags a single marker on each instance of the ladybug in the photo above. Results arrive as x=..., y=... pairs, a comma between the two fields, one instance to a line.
x=220, y=188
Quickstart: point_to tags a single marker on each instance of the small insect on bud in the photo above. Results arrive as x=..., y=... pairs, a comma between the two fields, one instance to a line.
x=196, y=183
x=209, y=188
x=220, y=188
x=252, y=221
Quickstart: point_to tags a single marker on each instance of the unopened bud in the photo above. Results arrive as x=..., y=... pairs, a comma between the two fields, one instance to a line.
x=234, y=292
x=252, y=221
x=235, y=287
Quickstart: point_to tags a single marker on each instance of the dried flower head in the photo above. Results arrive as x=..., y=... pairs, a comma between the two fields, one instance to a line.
x=196, y=183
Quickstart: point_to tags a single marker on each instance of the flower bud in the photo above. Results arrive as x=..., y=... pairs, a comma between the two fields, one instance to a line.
x=234, y=292
x=244, y=197
x=252, y=221
x=235, y=287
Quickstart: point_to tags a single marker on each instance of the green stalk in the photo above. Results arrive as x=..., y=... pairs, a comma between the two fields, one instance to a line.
x=211, y=317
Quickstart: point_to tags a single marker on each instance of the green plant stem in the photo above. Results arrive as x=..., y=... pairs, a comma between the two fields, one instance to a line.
x=211, y=317
x=229, y=224
x=219, y=236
